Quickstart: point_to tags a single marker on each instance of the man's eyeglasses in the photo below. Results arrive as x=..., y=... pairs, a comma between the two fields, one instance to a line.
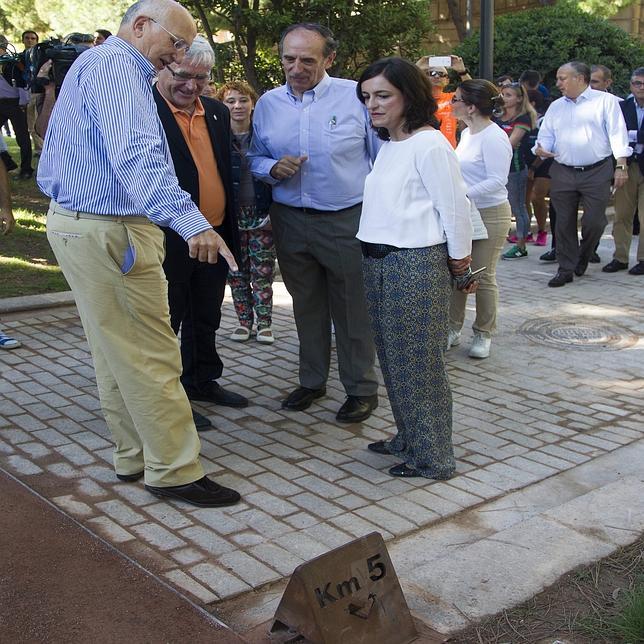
x=436, y=74
x=178, y=43
x=637, y=83
x=183, y=76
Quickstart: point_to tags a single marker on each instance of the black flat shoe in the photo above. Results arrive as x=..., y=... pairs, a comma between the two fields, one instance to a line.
x=356, y=409
x=203, y=493
x=581, y=267
x=638, y=269
x=403, y=470
x=214, y=393
x=302, y=398
x=613, y=266
x=594, y=258
x=380, y=447
x=130, y=478
x=560, y=279
x=201, y=422
x=550, y=256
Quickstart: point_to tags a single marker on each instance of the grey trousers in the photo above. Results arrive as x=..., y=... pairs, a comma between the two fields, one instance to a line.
x=569, y=187
x=320, y=261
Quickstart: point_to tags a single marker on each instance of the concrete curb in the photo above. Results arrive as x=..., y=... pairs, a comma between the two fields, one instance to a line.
x=36, y=302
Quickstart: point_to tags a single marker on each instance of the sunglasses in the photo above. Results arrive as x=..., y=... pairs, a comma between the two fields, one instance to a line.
x=178, y=43
x=436, y=74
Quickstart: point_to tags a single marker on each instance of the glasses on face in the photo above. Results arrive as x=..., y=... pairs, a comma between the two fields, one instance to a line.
x=436, y=74
x=183, y=76
x=456, y=100
x=637, y=83
x=178, y=43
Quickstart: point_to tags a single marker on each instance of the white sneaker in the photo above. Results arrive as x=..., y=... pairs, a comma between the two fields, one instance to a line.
x=453, y=339
x=480, y=346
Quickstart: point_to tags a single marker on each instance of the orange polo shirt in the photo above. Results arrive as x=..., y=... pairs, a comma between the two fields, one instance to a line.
x=445, y=116
x=212, y=197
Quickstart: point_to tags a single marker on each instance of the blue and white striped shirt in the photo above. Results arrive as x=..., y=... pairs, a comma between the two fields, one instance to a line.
x=105, y=151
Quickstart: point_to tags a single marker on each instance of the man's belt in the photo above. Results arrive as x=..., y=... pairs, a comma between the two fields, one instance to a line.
x=378, y=251
x=315, y=211
x=585, y=168
x=78, y=214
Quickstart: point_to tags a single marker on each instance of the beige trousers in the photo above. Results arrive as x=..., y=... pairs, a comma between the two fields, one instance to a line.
x=113, y=266
x=485, y=252
x=627, y=199
x=32, y=115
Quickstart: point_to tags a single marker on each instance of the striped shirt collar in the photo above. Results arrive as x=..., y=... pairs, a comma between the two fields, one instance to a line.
x=146, y=67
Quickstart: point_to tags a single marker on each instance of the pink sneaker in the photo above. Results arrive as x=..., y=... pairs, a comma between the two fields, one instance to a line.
x=512, y=239
x=542, y=238
x=529, y=239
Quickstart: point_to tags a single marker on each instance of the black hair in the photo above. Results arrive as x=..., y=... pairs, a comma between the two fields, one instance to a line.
x=483, y=95
x=330, y=43
x=104, y=32
x=530, y=77
x=420, y=105
x=29, y=31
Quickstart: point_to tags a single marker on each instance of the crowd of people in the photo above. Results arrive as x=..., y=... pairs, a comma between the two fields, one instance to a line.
x=386, y=202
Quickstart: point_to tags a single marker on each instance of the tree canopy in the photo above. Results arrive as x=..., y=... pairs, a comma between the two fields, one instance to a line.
x=546, y=37
x=366, y=30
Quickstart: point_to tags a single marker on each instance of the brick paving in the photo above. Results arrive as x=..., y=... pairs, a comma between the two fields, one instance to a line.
x=531, y=411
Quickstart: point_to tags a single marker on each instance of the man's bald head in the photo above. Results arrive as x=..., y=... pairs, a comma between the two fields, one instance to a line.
x=162, y=30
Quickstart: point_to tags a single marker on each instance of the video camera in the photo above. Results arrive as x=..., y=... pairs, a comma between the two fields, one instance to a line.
x=61, y=53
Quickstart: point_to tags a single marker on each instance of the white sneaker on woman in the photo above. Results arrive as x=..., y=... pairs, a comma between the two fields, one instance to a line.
x=453, y=339
x=480, y=346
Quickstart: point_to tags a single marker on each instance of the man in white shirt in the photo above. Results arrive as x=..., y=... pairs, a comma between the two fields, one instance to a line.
x=581, y=131
x=630, y=197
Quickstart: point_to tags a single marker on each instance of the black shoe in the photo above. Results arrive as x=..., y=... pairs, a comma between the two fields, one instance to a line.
x=204, y=493
x=214, y=393
x=613, y=266
x=26, y=174
x=130, y=478
x=356, y=409
x=9, y=163
x=594, y=258
x=638, y=269
x=201, y=422
x=581, y=267
x=561, y=278
x=550, y=256
x=404, y=470
x=380, y=447
x=302, y=398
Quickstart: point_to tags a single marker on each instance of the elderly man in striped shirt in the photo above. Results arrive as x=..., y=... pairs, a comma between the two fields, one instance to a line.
x=107, y=169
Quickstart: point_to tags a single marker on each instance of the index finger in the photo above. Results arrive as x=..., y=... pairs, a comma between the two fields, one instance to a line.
x=230, y=259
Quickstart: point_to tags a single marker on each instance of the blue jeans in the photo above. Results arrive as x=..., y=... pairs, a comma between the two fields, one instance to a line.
x=517, y=183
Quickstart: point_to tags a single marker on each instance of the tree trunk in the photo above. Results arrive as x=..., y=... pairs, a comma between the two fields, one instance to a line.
x=457, y=18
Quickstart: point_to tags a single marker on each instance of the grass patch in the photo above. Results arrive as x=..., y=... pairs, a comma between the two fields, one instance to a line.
x=27, y=263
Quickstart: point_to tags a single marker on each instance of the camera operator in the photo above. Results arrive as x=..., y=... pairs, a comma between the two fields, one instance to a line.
x=29, y=58
x=14, y=97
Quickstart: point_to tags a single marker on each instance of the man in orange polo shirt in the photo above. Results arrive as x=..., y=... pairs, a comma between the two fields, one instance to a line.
x=198, y=133
x=439, y=78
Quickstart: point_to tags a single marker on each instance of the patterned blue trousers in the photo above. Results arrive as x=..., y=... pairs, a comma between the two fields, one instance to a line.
x=408, y=294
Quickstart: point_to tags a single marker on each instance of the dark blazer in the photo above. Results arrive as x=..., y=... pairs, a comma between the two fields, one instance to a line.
x=218, y=122
x=630, y=116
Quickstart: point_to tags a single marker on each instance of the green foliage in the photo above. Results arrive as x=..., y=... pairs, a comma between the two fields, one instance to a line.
x=547, y=37
x=366, y=30
x=629, y=623
x=604, y=8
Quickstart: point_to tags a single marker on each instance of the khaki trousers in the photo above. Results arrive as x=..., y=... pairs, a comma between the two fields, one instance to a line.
x=485, y=252
x=627, y=199
x=113, y=266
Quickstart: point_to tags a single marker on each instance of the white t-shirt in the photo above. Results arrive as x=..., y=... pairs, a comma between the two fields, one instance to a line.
x=485, y=159
x=415, y=196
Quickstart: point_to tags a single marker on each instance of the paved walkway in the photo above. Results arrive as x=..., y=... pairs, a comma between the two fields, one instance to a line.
x=541, y=430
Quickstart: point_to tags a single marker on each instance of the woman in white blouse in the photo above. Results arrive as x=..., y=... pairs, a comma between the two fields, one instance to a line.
x=484, y=153
x=416, y=233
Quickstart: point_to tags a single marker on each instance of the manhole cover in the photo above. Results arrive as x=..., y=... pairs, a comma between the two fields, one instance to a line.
x=578, y=333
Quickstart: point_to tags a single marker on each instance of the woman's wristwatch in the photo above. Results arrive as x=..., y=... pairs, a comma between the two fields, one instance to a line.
x=465, y=72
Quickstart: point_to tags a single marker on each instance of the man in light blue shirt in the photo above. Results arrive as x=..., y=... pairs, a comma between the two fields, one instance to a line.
x=106, y=167
x=313, y=143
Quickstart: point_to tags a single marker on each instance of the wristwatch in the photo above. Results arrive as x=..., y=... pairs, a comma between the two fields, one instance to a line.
x=621, y=166
x=465, y=72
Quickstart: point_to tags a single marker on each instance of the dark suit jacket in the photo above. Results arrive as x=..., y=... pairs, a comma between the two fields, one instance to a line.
x=218, y=123
x=630, y=116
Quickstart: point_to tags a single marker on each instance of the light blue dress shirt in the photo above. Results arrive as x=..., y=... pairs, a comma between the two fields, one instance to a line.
x=105, y=150
x=331, y=127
